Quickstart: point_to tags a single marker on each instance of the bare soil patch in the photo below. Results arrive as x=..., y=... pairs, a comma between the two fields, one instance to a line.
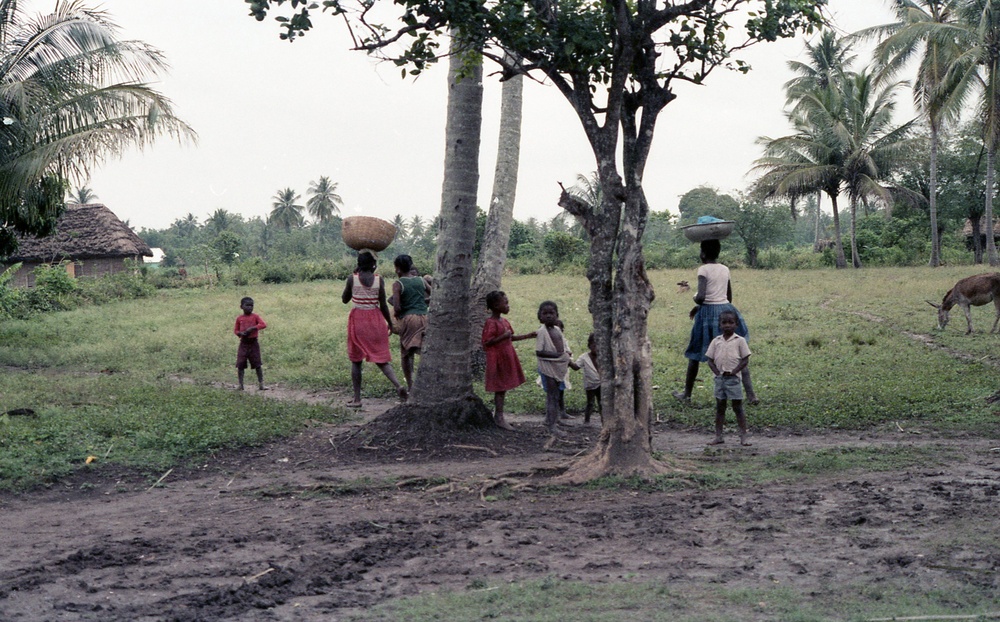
x=321, y=526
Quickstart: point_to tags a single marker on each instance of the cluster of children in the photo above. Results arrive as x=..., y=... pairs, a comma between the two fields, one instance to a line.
x=718, y=337
x=504, y=372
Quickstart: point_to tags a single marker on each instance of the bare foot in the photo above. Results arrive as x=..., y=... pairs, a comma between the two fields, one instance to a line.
x=745, y=440
x=402, y=392
x=262, y=388
x=717, y=441
x=680, y=396
x=502, y=423
x=754, y=401
x=353, y=404
x=240, y=388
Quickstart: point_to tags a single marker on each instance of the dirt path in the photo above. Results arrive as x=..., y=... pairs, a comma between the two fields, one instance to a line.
x=300, y=530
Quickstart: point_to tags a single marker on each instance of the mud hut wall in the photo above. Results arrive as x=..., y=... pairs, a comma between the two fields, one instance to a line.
x=81, y=268
x=25, y=275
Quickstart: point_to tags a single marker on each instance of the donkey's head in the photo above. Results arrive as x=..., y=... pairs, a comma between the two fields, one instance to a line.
x=943, y=309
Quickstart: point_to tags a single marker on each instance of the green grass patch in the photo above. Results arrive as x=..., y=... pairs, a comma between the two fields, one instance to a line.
x=555, y=600
x=716, y=471
x=832, y=349
x=135, y=422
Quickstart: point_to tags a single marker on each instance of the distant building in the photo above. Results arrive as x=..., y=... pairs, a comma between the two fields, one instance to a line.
x=967, y=232
x=157, y=256
x=90, y=237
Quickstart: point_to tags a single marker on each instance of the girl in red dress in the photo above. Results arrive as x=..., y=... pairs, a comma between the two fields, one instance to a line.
x=503, y=368
x=368, y=325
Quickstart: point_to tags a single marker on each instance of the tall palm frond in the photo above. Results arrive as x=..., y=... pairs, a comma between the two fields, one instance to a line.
x=285, y=212
x=930, y=29
x=82, y=196
x=71, y=95
x=324, y=202
x=979, y=65
x=845, y=140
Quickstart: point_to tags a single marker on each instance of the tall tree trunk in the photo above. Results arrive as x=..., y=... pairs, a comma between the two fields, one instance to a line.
x=855, y=259
x=500, y=218
x=444, y=374
x=977, y=241
x=841, y=261
x=620, y=298
x=819, y=215
x=932, y=200
x=991, y=245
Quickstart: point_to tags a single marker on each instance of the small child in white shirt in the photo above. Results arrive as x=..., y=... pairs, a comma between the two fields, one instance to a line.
x=591, y=379
x=728, y=354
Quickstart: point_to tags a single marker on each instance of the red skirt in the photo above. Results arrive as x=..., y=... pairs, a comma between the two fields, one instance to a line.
x=367, y=336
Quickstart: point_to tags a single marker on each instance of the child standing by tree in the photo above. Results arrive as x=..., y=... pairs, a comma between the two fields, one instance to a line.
x=591, y=379
x=553, y=361
x=728, y=355
x=248, y=327
x=503, y=368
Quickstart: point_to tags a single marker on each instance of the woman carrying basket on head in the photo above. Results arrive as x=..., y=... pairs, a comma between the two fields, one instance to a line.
x=715, y=295
x=368, y=325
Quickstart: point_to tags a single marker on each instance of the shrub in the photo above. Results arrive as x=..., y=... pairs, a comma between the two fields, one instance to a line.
x=561, y=247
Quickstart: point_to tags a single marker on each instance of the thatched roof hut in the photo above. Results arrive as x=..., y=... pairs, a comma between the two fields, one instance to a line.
x=967, y=229
x=90, y=237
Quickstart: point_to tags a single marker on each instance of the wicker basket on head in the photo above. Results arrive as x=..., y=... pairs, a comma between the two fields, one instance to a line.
x=360, y=232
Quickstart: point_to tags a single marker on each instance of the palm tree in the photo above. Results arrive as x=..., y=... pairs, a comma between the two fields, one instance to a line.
x=416, y=228
x=828, y=59
x=186, y=226
x=588, y=189
x=500, y=218
x=220, y=221
x=845, y=140
x=82, y=196
x=71, y=94
x=927, y=27
x=802, y=163
x=285, y=213
x=979, y=65
x=400, y=223
x=324, y=202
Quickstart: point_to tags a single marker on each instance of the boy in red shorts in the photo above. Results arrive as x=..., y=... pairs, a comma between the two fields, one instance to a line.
x=248, y=326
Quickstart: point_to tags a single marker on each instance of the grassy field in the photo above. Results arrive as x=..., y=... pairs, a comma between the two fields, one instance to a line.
x=137, y=382
x=147, y=384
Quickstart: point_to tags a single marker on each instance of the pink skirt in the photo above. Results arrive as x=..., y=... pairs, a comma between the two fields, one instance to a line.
x=367, y=336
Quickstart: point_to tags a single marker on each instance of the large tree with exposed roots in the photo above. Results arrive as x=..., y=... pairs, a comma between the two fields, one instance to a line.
x=617, y=63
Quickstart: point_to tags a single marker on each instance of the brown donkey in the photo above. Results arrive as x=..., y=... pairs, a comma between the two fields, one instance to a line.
x=972, y=290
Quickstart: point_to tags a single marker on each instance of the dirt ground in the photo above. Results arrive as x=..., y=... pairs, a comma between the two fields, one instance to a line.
x=309, y=528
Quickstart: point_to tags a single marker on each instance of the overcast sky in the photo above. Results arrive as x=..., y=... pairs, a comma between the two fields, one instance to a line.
x=272, y=115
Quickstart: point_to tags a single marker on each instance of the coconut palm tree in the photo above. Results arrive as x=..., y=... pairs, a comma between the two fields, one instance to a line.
x=416, y=228
x=828, y=58
x=82, y=196
x=979, y=65
x=324, y=203
x=927, y=28
x=800, y=164
x=71, y=94
x=220, y=220
x=285, y=212
x=400, y=223
x=186, y=226
x=846, y=140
